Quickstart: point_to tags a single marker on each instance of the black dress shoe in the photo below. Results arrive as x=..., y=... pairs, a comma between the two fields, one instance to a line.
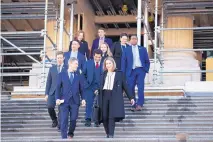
x=55, y=123
x=88, y=123
x=96, y=124
x=107, y=136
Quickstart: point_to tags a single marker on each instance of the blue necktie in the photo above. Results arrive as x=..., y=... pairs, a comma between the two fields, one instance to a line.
x=71, y=77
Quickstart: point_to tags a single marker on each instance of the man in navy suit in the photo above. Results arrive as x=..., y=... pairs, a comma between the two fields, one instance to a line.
x=92, y=71
x=51, y=87
x=74, y=53
x=135, y=64
x=101, y=39
x=70, y=83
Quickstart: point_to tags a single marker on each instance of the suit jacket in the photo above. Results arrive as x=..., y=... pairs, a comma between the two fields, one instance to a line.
x=69, y=89
x=117, y=100
x=81, y=59
x=88, y=73
x=127, y=60
x=117, y=53
x=95, y=44
x=84, y=50
x=52, y=79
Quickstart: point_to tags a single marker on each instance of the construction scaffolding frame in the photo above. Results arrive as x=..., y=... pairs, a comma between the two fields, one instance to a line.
x=24, y=41
x=159, y=45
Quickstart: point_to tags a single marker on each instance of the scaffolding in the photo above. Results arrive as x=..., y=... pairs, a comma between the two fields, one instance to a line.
x=169, y=8
x=27, y=43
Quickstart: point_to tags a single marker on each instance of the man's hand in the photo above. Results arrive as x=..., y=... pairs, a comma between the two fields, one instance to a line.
x=96, y=92
x=58, y=102
x=132, y=102
x=83, y=102
x=45, y=98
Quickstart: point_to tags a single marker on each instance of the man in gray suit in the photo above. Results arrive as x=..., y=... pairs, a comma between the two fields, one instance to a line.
x=51, y=87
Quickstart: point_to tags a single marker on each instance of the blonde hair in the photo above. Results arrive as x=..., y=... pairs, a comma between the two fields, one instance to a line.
x=109, y=59
x=109, y=53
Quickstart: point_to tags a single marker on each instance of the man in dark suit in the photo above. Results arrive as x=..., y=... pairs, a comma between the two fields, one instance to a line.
x=74, y=53
x=92, y=72
x=70, y=83
x=101, y=39
x=135, y=64
x=51, y=86
x=118, y=49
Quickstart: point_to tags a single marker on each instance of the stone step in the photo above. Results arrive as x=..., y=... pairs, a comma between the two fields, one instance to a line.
x=142, y=113
x=126, y=105
x=126, y=122
x=141, y=129
x=118, y=125
x=130, y=116
x=183, y=108
x=127, y=111
x=117, y=138
x=80, y=119
x=102, y=133
x=168, y=121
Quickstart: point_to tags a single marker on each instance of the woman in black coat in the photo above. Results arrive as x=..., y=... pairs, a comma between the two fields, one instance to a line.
x=83, y=49
x=110, y=98
x=118, y=48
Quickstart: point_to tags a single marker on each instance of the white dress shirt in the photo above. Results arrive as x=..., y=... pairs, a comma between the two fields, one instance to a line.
x=74, y=54
x=109, y=81
x=136, y=57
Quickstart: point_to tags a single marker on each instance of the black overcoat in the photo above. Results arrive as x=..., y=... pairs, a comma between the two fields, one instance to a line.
x=120, y=85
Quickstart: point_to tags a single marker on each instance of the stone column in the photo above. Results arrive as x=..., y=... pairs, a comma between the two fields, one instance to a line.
x=179, y=39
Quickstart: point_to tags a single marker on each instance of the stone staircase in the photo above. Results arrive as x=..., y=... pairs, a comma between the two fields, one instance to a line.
x=162, y=120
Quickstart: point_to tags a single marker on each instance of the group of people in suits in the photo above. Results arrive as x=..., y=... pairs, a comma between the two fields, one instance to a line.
x=111, y=70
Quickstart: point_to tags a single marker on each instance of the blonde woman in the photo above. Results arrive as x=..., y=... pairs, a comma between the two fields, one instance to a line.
x=105, y=50
x=110, y=98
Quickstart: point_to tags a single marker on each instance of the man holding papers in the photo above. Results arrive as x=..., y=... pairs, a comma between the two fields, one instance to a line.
x=70, y=83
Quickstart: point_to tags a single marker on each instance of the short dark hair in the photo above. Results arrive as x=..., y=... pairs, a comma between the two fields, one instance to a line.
x=133, y=35
x=60, y=53
x=97, y=51
x=123, y=34
x=76, y=41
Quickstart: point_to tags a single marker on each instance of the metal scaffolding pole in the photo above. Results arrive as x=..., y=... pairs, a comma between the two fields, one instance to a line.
x=45, y=40
x=71, y=20
x=61, y=30
x=139, y=22
x=145, y=38
x=156, y=41
x=19, y=49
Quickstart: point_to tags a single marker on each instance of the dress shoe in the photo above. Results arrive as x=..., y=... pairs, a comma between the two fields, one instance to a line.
x=55, y=123
x=88, y=123
x=70, y=136
x=96, y=124
x=139, y=108
x=132, y=108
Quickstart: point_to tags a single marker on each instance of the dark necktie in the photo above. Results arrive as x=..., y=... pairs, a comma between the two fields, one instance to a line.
x=71, y=77
x=97, y=65
x=58, y=68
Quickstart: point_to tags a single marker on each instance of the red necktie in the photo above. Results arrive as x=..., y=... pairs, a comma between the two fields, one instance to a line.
x=97, y=65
